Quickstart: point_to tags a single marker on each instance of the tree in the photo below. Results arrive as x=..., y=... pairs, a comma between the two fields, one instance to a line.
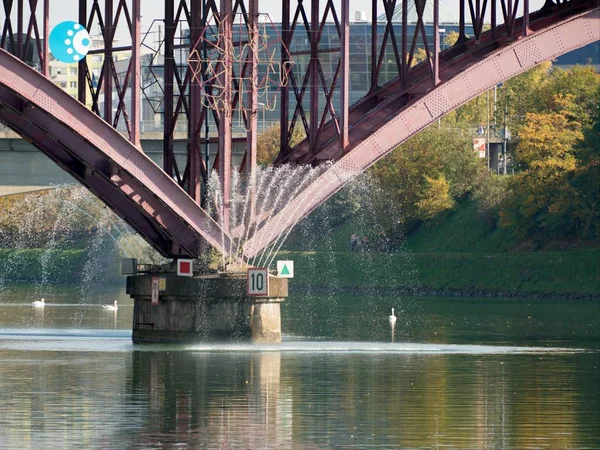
x=435, y=197
x=547, y=136
x=542, y=200
x=579, y=84
x=269, y=145
x=537, y=91
x=489, y=192
x=586, y=179
x=425, y=175
x=420, y=55
x=451, y=38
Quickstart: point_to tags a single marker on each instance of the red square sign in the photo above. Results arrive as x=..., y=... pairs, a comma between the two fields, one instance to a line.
x=185, y=267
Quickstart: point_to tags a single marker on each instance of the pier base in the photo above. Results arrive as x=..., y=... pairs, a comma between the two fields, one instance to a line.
x=204, y=308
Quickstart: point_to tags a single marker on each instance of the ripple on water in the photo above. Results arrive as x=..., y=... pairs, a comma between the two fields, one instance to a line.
x=120, y=341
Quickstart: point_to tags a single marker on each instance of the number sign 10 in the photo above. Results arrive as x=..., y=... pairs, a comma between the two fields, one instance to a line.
x=258, y=282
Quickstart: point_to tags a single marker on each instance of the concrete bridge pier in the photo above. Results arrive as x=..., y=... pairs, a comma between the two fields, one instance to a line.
x=204, y=308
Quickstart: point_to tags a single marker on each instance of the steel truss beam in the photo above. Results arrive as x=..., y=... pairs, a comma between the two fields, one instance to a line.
x=327, y=141
x=552, y=33
x=108, y=83
x=21, y=30
x=312, y=101
x=105, y=162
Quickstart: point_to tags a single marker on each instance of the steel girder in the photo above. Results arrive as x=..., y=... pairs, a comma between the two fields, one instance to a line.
x=185, y=100
x=334, y=131
x=105, y=162
x=20, y=29
x=327, y=141
x=463, y=78
x=185, y=88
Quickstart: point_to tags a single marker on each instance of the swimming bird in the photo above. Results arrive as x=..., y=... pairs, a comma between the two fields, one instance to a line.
x=39, y=304
x=392, y=318
x=110, y=307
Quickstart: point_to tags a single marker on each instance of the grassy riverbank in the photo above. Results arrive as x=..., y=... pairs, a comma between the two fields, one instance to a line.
x=71, y=266
x=572, y=273
x=454, y=254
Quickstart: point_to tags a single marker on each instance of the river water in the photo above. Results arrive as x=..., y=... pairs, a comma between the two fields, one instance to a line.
x=454, y=373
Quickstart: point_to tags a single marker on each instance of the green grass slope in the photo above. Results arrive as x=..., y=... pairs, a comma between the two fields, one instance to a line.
x=462, y=230
x=459, y=254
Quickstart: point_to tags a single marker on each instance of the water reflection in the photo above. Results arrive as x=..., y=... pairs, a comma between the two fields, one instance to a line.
x=71, y=378
x=218, y=399
x=38, y=319
x=272, y=399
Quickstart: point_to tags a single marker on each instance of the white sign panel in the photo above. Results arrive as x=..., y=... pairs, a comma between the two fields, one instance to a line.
x=155, y=289
x=257, y=282
x=479, y=146
x=285, y=269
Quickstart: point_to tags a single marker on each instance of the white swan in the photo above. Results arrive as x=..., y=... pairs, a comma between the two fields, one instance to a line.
x=39, y=303
x=110, y=307
x=392, y=318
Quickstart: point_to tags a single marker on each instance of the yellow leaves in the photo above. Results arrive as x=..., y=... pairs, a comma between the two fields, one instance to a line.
x=435, y=198
x=268, y=143
x=419, y=56
x=547, y=135
x=424, y=175
x=554, y=166
x=451, y=38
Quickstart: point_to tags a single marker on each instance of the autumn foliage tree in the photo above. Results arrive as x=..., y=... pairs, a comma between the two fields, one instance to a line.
x=426, y=175
x=586, y=179
x=269, y=144
x=547, y=198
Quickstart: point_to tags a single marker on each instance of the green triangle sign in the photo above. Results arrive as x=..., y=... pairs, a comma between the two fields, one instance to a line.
x=285, y=270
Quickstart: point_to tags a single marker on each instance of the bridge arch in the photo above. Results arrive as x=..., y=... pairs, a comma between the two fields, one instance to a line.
x=466, y=79
x=106, y=163
x=148, y=199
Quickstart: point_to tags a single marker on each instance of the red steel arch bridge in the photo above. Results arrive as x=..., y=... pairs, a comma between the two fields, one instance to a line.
x=165, y=204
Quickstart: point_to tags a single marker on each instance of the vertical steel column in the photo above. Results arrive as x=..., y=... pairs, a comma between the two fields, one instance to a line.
x=285, y=97
x=252, y=108
x=436, y=42
x=194, y=156
x=205, y=12
x=476, y=26
x=225, y=32
x=82, y=64
x=373, y=44
x=462, y=36
x=108, y=59
x=169, y=61
x=526, y=30
x=136, y=74
x=251, y=136
x=314, y=76
x=493, y=20
x=345, y=67
x=404, y=65
x=510, y=18
x=19, y=52
x=46, y=48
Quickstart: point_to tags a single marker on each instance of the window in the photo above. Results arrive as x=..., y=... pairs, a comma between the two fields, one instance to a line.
x=73, y=84
x=73, y=70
